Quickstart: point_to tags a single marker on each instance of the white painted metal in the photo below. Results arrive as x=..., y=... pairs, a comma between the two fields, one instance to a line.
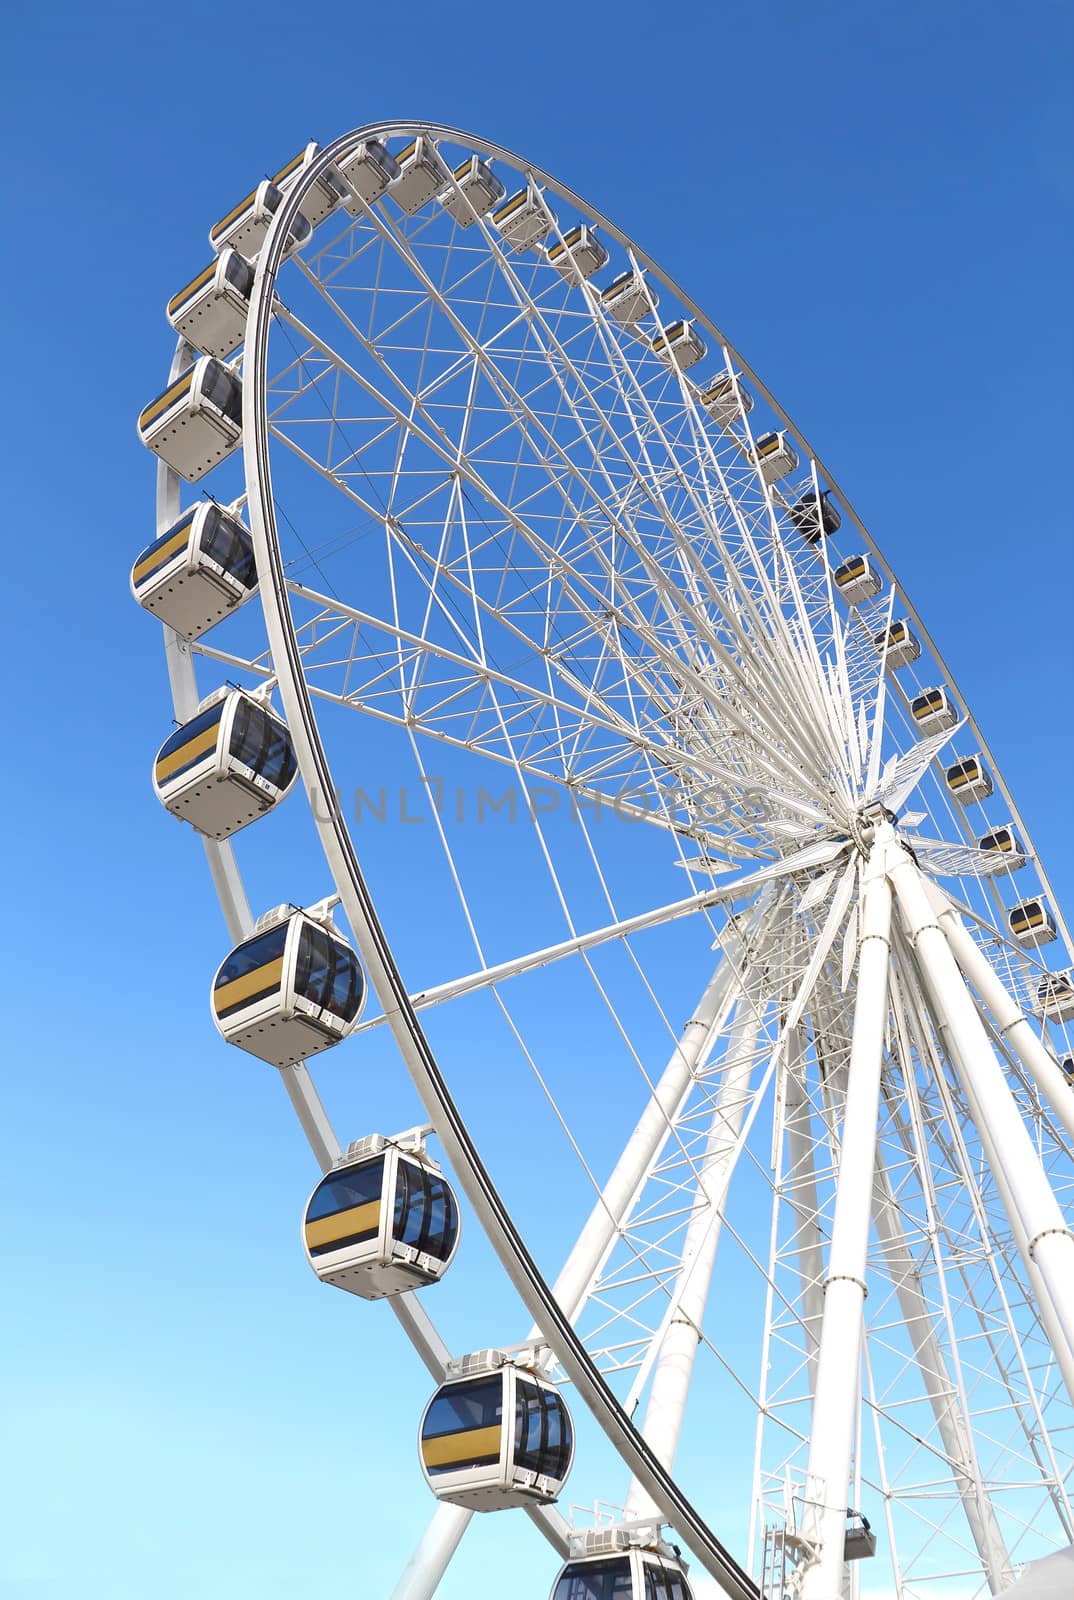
x=1049, y=1243
x=839, y=1355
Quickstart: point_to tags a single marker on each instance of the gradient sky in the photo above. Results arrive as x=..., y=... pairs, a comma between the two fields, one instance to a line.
x=875, y=203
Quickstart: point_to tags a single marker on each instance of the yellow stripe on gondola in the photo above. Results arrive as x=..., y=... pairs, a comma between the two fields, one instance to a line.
x=510, y=208
x=191, y=289
x=162, y=553
x=261, y=978
x=233, y=213
x=1027, y=919
x=285, y=172
x=343, y=1224
x=186, y=753
x=168, y=398
x=404, y=155
x=461, y=1447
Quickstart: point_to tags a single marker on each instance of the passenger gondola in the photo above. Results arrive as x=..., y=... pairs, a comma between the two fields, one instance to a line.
x=578, y=254
x=1031, y=922
x=629, y=298
x=726, y=398
x=632, y=1574
x=197, y=570
x=422, y=175
x=680, y=345
x=197, y=421
x=524, y=219
x=497, y=1437
x=934, y=711
x=1066, y=1067
x=322, y=197
x=382, y=1221
x=774, y=456
x=247, y=224
x=476, y=190
x=1004, y=842
x=295, y=988
x=1055, y=997
x=968, y=779
x=227, y=766
x=897, y=644
x=815, y=516
x=367, y=172
x=210, y=312
x=856, y=580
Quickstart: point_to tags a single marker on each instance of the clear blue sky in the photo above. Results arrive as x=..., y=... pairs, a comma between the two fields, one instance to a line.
x=875, y=203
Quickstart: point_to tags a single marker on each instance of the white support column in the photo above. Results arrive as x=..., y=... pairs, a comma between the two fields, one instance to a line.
x=678, y=1348
x=942, y=1392
x=1009, y=1018
x=619, y=1194
x=836, y=1400
x=1047, y=1241
x=801, y=1186
x=433, y=1556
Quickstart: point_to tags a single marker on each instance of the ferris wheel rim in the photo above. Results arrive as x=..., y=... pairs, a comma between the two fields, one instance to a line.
x=375, y=949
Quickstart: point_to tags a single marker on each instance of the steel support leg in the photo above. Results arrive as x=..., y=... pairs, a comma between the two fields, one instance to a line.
x=835, y=1404
x=1047, y=1242
x=678, y=1348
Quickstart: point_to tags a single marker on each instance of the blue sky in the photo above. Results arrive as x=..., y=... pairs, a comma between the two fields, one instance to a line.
x=875, y=204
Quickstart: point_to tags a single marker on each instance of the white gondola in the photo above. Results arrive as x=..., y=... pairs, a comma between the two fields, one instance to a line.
x=933, y=710
x=726, y=398
x=499, y=1436
x=1004, y=842
x=578, y=254
x=367, y=172
x=227, y=766
x=524, y=219
x=816, y=516
x=197, y=570
x=197, y=421
x=856, y=580
x=1055, y=996
x=897, y=644
x=621, y=1564
x=322, y=197
x=1031, y=923
x=774, y=456
x=476, y=190
x=629, y=298
x=422, y=175
x=680, y=345
x=210, y=312
x=292, y=990
x=382, y=1221
x=968, y=779
x=246, y=225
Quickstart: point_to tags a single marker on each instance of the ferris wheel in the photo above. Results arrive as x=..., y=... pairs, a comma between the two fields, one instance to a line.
x=721, y=932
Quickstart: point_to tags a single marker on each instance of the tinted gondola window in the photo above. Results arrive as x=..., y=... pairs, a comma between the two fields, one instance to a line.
x=425, y=1212
x=259, y=952
x=328, y=974
x=661, y=1583
x=460, y=1409
x=172, y=542
x=261, y=741
x=353, y=1195
x=597, y=1580
x=189, y=744
x=228, y=543
x=240, y=274
x=222, y=389
x=542, y=1431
